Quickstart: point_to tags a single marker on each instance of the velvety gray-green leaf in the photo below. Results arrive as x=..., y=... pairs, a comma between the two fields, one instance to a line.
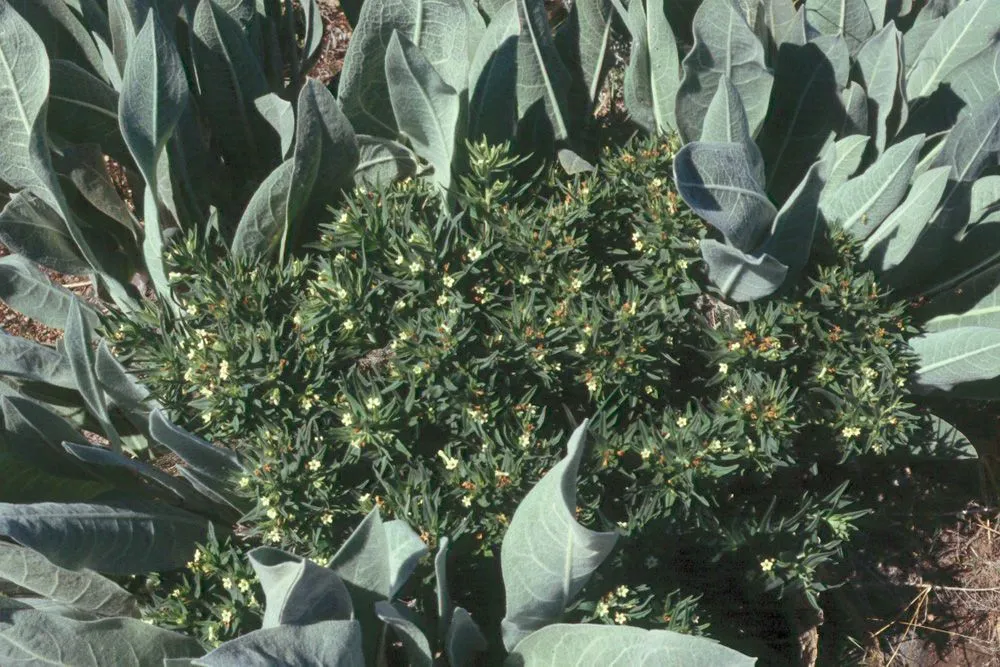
x=84, y=109
x=583, y=41
x=123, y=389
x=28, y=360
x=64, y=33
x=493, y=79
x=972, y=142
x=31, y=227
x=880, y=62
x=444, y=31
x=36, y=435
x=984, y=200
x=720, y=183
x=780, y=22
x=805, y=110
x=984, y=287
x=954, y=356
x=849, y=19
x=280, y=115
x=405, y=549
x=864, y=202
x=843, y=158
x=124, y=472
x=546, y=556
x=723, y=45
x=229, y=78
x=28, y=291
x=464, y=640
x=327, y=643
x=363, y=559
x=116, y=537
x=154, y=95
x=739, y=276
x=218, y=463
x=266, y=216
x=40, y=638
x=791, y=238
x=418, y=649
x=854, y=100
x=588, y=645
x=82, y=589
x=726, y=122
x=382, y=161
x=542, y=78
x=298, y=591
x=892, y=241
x=80, y=352
x=85, y=166
x=977, y=80
x=426, y=108
x=963, y=33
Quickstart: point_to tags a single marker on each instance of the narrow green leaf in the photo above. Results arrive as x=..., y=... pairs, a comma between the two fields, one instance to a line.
x=298, y=591
x=427, y=109
x=40, y=638
x=596, y=645
x=546, y=556
x=28, y=291
x=117, y=537
x=724, y=45
x=739, y=276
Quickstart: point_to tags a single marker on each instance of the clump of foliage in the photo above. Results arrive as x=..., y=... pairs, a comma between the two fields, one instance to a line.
x=429, y=364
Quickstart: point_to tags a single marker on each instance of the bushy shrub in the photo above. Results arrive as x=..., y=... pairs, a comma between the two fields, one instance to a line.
x=431, y=364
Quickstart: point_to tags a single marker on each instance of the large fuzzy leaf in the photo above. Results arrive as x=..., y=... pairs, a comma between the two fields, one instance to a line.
x=724, y=45
x=382, y=161
x=27, y=290
x=791, y=239
x=963, y=33
x=80, y=352
x=726, y=123
x=443, y=30
x=37, y=435
x=864, y=202
x=973, y=142
x=229, y=79
x=849, y=19
x=40, y=638
x=880, y=62
x=855, y=104
x=895, y=237
x=405, y=549
x=362, y=560
x=28, y=360
x=741, y=276
x=805, y=111
x=653, y=75
x=298, y=591
x=955, y=356
x=543, y=82
x=122, y=388
x=546, y=556
x=85, y=166
x=984, y=200
x=721, y=184
x=117, y=537
x=154, y=94
x=493, y=79
x=267, y=214
x=983, y=312
x=583, y=42
x=464, y=639
x=327, y=643
x=843, y=158
x=779, y=22
x=280, y=115
x=84, y=109
x=219, y=464
x=977, y=80
x=30, y=227
x=398, y=617
x=427, y=109
x=24, y=85
x=65, y=35
x=81, y=589
x=598, y=645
